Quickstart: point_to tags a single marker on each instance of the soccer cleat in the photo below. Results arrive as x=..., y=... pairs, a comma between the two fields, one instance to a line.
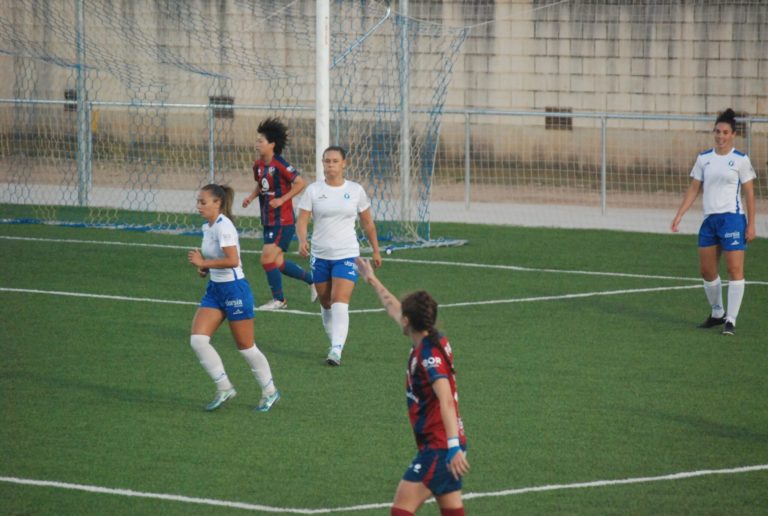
x=729, y=328
x=221, y=397
x=266, y=402
x=275, y=304
x=711, y=322
x=312, y=293
x=333, y=359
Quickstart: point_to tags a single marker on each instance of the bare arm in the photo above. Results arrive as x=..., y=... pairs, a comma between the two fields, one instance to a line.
x=369, y=227
x=302, y=225
x=688, y=198
x=749, y=201
x=231, y=259
x=389, y=301
x=458, y=464
x=248, y=200
x=297, y=186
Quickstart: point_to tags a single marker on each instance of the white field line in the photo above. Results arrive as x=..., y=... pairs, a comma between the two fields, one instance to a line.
x=365, y=310
x=388, y=259
x=108, y=242
x=465, y=496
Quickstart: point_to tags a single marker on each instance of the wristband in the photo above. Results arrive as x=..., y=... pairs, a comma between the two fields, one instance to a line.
x=453, y=448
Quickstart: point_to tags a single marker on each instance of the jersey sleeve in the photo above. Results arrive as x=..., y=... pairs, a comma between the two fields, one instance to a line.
x=746, y=171
x=305, y=202
x=363, y=203
x=227, y=234
x=434, y=363
x=697, y=172
x=287, y=171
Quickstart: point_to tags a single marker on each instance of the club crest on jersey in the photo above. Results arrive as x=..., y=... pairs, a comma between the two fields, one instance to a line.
x=731, y=163
x=346, y=195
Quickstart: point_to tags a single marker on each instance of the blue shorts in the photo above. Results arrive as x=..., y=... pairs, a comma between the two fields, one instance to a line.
x=724, y=229
x=324, y=270
x=280, y=235
x=430, y=468
x=234, y=298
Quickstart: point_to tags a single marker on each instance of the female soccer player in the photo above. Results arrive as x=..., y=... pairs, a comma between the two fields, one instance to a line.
x=722, y=173
x=228, y=296
x=334, y=205
x=433, y=405
x=277, y=183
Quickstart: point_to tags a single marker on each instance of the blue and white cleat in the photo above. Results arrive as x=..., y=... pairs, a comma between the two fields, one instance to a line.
x=333, y=359
x=266, y=403
x=221, y=397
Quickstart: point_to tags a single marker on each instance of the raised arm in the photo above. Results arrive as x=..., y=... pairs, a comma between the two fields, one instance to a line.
x=389, y=301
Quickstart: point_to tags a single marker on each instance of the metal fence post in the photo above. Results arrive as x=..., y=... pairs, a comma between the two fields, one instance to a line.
x=603, y=164
x=211, y=145
x=467, y=161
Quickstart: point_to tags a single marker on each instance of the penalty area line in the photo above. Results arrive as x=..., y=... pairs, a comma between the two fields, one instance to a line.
x=466, y=496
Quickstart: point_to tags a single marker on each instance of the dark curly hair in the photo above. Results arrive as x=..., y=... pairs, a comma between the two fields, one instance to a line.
x=275, y=131
x=421, y=310
x=729, y=117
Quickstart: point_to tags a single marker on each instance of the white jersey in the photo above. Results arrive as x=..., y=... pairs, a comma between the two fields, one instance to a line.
x=722, y=177
x=334, y=212
x=215, y=238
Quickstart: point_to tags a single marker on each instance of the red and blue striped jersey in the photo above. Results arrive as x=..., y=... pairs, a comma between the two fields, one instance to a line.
x=427, y=363
x=274, y=180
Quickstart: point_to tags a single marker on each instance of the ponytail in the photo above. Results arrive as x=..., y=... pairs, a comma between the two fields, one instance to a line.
x=226, y=196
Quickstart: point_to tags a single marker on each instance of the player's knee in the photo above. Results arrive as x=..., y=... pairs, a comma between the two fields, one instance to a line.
x=198, y=341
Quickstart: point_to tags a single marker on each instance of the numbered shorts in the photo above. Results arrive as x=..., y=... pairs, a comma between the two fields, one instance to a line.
x=430, y=468
x=324, y=270
x=724, y=229
x=280, y=235
x=234, y=298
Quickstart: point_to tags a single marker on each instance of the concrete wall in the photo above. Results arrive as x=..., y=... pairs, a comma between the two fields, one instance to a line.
x=587, y=55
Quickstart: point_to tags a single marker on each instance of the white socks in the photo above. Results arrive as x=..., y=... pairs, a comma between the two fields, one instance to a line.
x=210, y=360
x=327, y=318
x=339, y=326
x=260, y=368
x=714, y=291
x=735, y=295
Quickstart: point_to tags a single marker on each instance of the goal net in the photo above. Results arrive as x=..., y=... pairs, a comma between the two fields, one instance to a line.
x=116, y=113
